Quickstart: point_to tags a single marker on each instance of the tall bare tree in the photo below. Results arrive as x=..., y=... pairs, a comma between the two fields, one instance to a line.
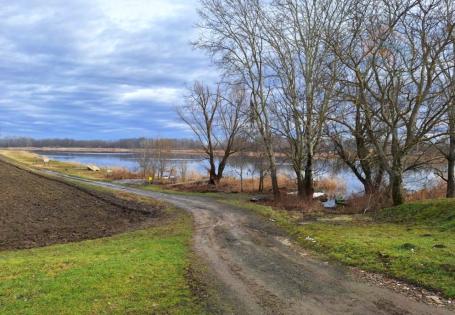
x=232, y=32
x=146, y=161
x=347, y=125
x=216, y=117
x=305, y=72
x=446, y=143
x=347, y=130
x=161, y=156
x=450, y=94
x=392, y=53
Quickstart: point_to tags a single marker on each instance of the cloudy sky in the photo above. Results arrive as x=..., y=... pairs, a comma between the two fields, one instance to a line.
x=103, y=69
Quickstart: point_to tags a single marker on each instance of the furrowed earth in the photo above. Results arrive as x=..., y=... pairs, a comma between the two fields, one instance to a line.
x=36, y=211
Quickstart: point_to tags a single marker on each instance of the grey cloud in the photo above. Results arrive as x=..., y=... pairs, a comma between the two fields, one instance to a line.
x=66, y=65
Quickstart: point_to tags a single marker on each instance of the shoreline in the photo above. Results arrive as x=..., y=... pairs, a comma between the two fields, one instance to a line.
x=93, y=150
x=137, y=150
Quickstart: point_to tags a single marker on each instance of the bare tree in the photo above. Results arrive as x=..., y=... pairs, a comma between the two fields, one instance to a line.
x=450, y=154
x=183, y=169
x=232, y=32
x=347, y=125
x=380, y=59
x=145, y=160
x=240, y=163
x=261, y=166
x=347, y=130
x=446, y=143
x=305, y=72
x=392, y=54
x=161, y=155
x=216, y=119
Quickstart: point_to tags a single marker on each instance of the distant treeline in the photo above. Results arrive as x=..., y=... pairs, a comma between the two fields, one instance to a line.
x=132, y=143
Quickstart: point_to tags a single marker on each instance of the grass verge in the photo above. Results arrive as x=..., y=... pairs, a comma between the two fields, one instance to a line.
x=35, y=161
x=139, y=272
x=418, y=251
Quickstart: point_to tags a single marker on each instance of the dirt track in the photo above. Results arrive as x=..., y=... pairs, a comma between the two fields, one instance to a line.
x=261, y=272
x=35, y=211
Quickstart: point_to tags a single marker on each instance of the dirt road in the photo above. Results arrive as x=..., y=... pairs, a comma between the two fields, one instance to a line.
x=261, y=272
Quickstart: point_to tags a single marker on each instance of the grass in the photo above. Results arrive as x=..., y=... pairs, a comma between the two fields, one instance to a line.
x=136, y=273
x=433, y=213
x=414, y=242
x=35, y=161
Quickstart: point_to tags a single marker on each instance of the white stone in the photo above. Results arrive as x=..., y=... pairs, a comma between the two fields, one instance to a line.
x=435, y=299
x=93, y=168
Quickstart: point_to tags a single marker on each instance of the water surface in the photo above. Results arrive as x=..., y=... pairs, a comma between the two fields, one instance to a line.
x=324, y=169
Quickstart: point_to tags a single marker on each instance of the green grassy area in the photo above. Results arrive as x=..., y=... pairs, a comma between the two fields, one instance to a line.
x=432, y=213
x=414, y=242
x=141, y=272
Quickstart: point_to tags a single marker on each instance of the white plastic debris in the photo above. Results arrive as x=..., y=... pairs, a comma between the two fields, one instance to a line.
x=308, y=238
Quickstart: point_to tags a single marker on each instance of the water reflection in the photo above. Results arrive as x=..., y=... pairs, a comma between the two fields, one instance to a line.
x=245, y=166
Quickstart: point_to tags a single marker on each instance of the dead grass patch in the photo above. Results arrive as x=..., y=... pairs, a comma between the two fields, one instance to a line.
x=330, y=186
x=366, y=203
x=122, y=173
x=295, y=204
x=438, y=191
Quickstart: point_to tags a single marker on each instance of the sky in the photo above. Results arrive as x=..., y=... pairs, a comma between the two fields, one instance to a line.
x=97, y=69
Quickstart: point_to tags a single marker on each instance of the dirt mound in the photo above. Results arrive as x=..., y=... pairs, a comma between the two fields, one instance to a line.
x=36, y=211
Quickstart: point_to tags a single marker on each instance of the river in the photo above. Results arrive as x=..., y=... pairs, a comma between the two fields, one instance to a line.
x=324, y=169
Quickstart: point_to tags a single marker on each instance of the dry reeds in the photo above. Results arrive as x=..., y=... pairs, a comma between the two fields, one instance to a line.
x=295, y=203
x=196, y=182
x=122, y=173
x=438, y=191
x=362, y=203
x=330, y=186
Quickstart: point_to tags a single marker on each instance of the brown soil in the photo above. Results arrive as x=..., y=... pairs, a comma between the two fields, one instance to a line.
x=37, y=211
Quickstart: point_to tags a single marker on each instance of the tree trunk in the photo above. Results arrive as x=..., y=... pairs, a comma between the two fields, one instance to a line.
x=451, y=154
x=261, y=181
x=241, y=179
x=378, y=179
x=273, y=169
x=300, y=184
x=308, y=181
x=368, y=187
x=222, y=166
x=396, y=174
x=213, y=177
x=451, y=175
x=396, y=182
x=274, y=178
